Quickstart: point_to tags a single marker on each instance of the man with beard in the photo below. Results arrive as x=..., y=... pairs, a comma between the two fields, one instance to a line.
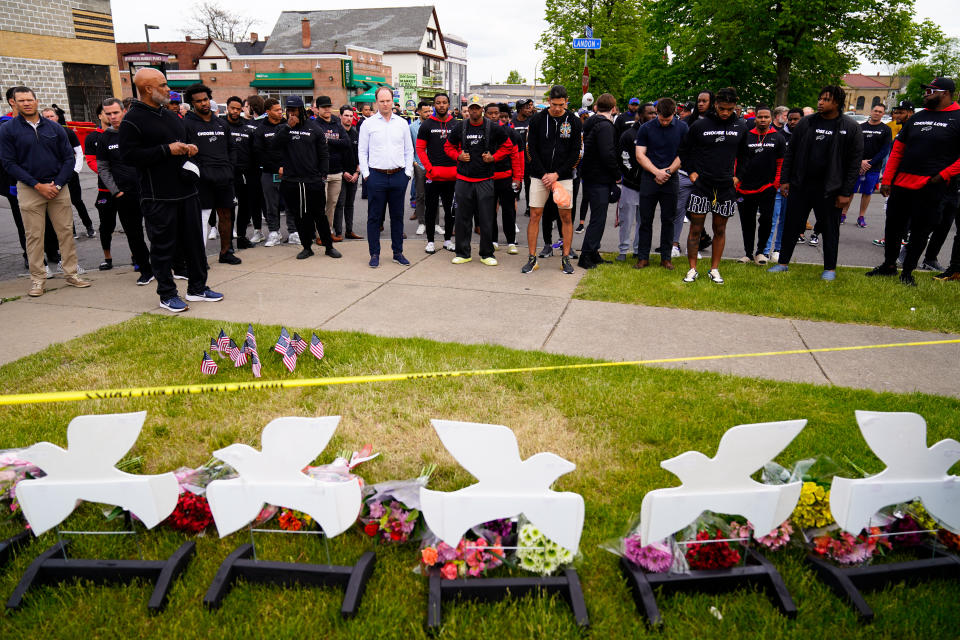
x=441, y=171
x=340, y=148
x=216, y=157
x=757, y=179
x=709, y=152
x=924, y=159
x=629, y=203
x=246, y=176
x=269, y=157
x=152, y=141
x=877, y=140
x=819, y=171
x=521, y=122
x=704, y=105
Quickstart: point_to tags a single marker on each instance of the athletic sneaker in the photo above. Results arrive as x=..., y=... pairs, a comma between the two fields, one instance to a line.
x=107, y=264
x=180, y=276
x=440, y=230
x=244, y=243
x=401, y=260
x=496, y=246
x=421, y=229
x=208, y=295
x=531, y=265
x=691, y=275
x=949, y=274
x=744, y=259
x=306, y=253
x=174, y=304
x=802, y=239
x=882, y=270
x=331, y=252
x=293, y=238
x=144, y=280
x=814, y=239
x=931, y=265
x=880, y=243
x=273, y=239
x=843, y=218
x=512, y=249
x=212, y=235
x=449, y=246
x=566, y=266
x=760, y=259
x=256, y=237
x=907, y=279
x=490, y=262
x=675, y=252
x=430, y=248
x=374, y=261
x=80, y=269
x=774, y=256
x=546, y=252
x=459, y=260
x=861, y=222
x=229, y=258
x=579, y=228
x=714, y=275
x=829, y=275
x=778, y=268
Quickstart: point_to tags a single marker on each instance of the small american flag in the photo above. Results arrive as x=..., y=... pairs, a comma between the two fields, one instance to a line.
x=207, y=365
x=233, y=350
x=316, y=347
x=250, y=335
x=290, y=358
x=282, y=342
x=299, y=343
x=213, y=345
x=249, y=346
x=241, y=358
x=223, y=342
x=255, y=364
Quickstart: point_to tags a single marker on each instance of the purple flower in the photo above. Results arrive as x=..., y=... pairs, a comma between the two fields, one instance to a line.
x=376, y=510
x=656, y=557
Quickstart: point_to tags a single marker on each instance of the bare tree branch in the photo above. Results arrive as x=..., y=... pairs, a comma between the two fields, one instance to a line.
x=211, y=20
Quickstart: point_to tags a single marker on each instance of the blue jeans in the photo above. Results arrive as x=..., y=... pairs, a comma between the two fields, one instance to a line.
x=779, y=216
x=385, y=191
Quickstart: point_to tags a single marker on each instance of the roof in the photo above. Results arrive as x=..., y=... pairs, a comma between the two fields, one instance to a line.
x=233, y=49
x=388, y=29
x=860, y=81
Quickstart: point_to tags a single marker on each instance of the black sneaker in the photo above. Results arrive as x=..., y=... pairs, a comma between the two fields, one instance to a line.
x=144, y=280
x=814, y=240
x=579, y=228
x=802, y=239
x=907, y=279
x=531, y=265
x=566, y=265
x=879, y=243
x=931, y=265
x=91, y=233
x=107, y=264
x=306, y=253
x=882, y=270
x=546, y=252
x=180, y=276
x=229, y=258
x=244, y=243
x=949, y=274
x=333, y=253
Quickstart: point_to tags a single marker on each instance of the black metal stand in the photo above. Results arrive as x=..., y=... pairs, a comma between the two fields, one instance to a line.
x=48, y=569
x=757, y=570
x=848, y=582
x=239, y=565
x=11, y=544
x=492, y=589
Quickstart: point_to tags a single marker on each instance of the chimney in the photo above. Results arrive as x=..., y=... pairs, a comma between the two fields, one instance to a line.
x=305, y=32
x=188, y=38
x=254, y=36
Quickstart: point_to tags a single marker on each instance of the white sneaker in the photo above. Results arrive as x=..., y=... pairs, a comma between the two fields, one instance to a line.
x=686, y=220
x=449, y=246
x=775, y=256
x=421, y=229
x=293, y=238
x=430, y=248
x=675, y=252
x=516, y=229
x=496, y=246
x=715, y=276
x=440, y=230
x=512, y=249
x=273, y=239
x=257, y=237
x=212, y=234
x=699, y=256
x=80, y=269
x=49, y=271
x=234, y=233
x=691, y=275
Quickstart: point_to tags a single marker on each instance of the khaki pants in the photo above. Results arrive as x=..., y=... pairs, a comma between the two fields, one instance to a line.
x=334, y=183
x=33, y=208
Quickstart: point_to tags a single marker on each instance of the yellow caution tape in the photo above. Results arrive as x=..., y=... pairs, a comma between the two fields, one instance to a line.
x=192, y=389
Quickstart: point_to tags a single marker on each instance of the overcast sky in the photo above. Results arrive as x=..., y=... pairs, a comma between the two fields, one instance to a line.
x=501, y=34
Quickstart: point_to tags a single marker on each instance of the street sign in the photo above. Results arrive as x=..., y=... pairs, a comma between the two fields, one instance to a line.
x=586, y=43
x=588, y=32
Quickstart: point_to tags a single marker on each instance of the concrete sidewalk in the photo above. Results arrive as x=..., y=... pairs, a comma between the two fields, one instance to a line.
x=473, y=303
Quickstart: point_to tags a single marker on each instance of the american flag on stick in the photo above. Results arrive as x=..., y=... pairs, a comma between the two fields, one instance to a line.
x=290, y=358
x=250, y=337
x=207, y=365
x=299, y=343
x=316, y=347
x=223, y=342
x=249, y=347
x=282, y=342
x=255, y=364
x=213, y=345
x=233, y=350
x=241, y=358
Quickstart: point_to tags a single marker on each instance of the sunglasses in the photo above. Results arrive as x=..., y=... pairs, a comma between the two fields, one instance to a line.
x=931, y=91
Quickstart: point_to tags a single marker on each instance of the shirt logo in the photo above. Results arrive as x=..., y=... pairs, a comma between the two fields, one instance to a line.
x=565, y=130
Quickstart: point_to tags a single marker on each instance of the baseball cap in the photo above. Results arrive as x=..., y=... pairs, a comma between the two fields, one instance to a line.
x=690, y=106
x=634, y=101
x=474, y=104
x=904, y=104
x=293, y=101
x=582, y=111
x=522, y=102
x=324, y=101
x=945, y=84
x=175, y=97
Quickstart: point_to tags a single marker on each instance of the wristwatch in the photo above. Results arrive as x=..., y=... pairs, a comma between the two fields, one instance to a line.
x=668, y=172
x=57, y=187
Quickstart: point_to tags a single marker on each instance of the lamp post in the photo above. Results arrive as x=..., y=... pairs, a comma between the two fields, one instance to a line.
x=146, y=30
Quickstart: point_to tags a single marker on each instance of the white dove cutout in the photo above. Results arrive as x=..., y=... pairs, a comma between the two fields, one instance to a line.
x=913, y=471
x=275, y=475
x=723, y=484
x=86, y=471
x=508, y=486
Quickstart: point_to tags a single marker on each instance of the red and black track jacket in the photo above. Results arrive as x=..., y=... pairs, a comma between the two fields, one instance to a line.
x=759, y=160
x=927, y=145
x=475, y=140
x=510, y=167
x=430, y=140
x=90, y=155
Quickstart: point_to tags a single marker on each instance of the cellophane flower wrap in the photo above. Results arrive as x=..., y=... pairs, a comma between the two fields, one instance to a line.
x=192, y=514
x=13, y=469
x=711, y=543
x=391, y=510
x=538, y=553
x=477, y=553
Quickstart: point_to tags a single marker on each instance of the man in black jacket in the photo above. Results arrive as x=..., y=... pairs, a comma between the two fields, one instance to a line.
x=268, y=156
x=819, y=171
x=600, y=171
x=441, y=171
x=305, y=162
x=554, y=140
x=152, y=140
x=246, y=176
x=340, y=148
x=216, y=158
x=343, y=214
x=630, y=172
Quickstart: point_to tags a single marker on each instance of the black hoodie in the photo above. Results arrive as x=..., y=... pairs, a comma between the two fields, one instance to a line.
x=839, y=175
x=304, y=154
x=115, y=174
x=600, y=163
x=710, y=149
x=338, y=143
x=553, y=144
x=216, y=156
x=760, y=160
x=430, y=140
x=630, y=167
x=145, y=137
x=264, y=151
x=242, y=132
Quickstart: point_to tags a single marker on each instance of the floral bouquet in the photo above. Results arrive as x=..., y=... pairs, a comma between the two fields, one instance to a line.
x=844, y=548
x=391, y=510
x=773, y=541
x=539, y=554
x=478, y=552
x=12, y=470
x=192, y=514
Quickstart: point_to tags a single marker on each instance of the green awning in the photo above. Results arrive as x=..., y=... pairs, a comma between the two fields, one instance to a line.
x=364, y=97
x=181, y=84
x=282, y=80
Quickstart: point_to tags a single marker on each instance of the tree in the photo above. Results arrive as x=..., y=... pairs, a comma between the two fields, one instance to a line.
x=514, y=77
x=944, y=60
x=211, y=20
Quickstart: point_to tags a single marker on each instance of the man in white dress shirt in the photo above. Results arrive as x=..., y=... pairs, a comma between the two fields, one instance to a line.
x=386, y=162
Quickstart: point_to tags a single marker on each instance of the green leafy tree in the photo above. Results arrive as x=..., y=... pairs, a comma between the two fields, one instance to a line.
x=944, y=60
x=514, y=77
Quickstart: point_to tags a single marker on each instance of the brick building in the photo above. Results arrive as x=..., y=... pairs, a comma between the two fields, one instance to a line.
x=62, y=49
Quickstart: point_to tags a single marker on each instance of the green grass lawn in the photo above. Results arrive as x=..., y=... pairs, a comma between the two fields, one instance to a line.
x=798, y=293
x=616, y=424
